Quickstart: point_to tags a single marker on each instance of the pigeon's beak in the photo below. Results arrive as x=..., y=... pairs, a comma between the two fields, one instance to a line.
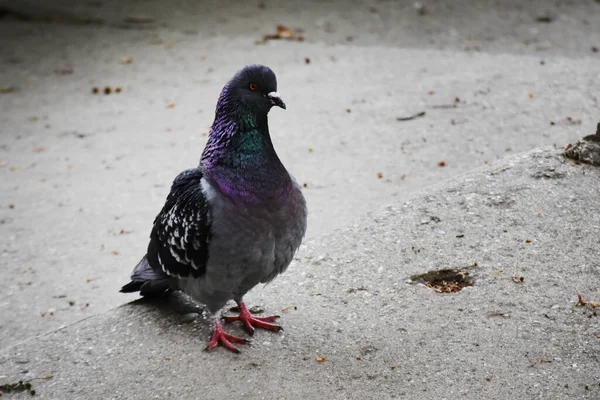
x=276, y=100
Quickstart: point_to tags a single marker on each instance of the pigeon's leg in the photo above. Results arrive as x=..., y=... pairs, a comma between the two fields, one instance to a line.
x=249, y=321
x=226, y=339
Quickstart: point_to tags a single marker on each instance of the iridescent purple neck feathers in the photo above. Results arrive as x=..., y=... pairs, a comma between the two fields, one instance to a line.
x=239, y=156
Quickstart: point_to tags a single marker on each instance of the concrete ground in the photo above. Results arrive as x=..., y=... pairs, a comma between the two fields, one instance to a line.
x=525, y=229
x=83, y=174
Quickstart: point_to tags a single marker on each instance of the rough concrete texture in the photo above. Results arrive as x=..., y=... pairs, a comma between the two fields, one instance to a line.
x=381, y=336
x=82, y=175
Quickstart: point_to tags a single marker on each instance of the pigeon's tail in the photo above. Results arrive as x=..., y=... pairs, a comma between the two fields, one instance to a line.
x=147, y=281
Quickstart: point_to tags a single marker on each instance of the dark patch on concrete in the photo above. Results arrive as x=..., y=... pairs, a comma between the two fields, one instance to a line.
x=447, y=280
x=587, y=150
x=548, y=173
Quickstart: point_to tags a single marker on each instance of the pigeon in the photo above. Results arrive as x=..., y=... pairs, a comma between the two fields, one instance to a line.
x=234, y=221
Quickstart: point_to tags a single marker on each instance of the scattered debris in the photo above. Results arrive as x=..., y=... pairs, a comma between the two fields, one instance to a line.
x=21, y=386
x=580, y=301
x=310, y=150
x=320, y=359
x=359, y=357
x=380, y=175
x=283, y=32
x=126, y=60
x=586, y=150
x=116, y=252
x=544, y=19
x=170, y=105
x=415, y=116
x=284, y=309
x=531, y=95
x=447, y=280
x=39, y=149
x=533, y=363
x=107, y=90
x=306, y=60
x=441, y=164
x=594, y=49
x=453, y=105
x=168, y=358
x=516, y=277
x=7, y=89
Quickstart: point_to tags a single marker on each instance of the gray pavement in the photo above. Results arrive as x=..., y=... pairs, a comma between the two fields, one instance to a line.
x=362, y=328
x=83, y=175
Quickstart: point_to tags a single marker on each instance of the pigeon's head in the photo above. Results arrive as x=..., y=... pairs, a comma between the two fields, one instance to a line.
x=255, y=87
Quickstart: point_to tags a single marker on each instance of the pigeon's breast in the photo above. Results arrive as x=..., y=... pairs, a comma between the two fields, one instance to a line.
x=252, y=242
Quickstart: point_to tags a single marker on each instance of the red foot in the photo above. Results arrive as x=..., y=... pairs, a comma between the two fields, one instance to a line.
x=220, y=336
x=251, y=321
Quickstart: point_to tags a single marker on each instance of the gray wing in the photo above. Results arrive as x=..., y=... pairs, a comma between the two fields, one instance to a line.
x=181, y=232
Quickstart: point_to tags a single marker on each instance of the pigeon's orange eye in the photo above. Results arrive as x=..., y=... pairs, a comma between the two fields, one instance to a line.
x=253, y=86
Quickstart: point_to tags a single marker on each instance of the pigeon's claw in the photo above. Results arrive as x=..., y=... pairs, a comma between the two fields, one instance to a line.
x=226, y=339
x=250, y=322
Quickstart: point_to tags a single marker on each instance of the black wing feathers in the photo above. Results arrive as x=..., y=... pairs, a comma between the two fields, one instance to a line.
x=179, y=238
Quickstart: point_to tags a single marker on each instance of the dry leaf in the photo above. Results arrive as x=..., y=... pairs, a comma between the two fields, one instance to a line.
x=283, y=32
